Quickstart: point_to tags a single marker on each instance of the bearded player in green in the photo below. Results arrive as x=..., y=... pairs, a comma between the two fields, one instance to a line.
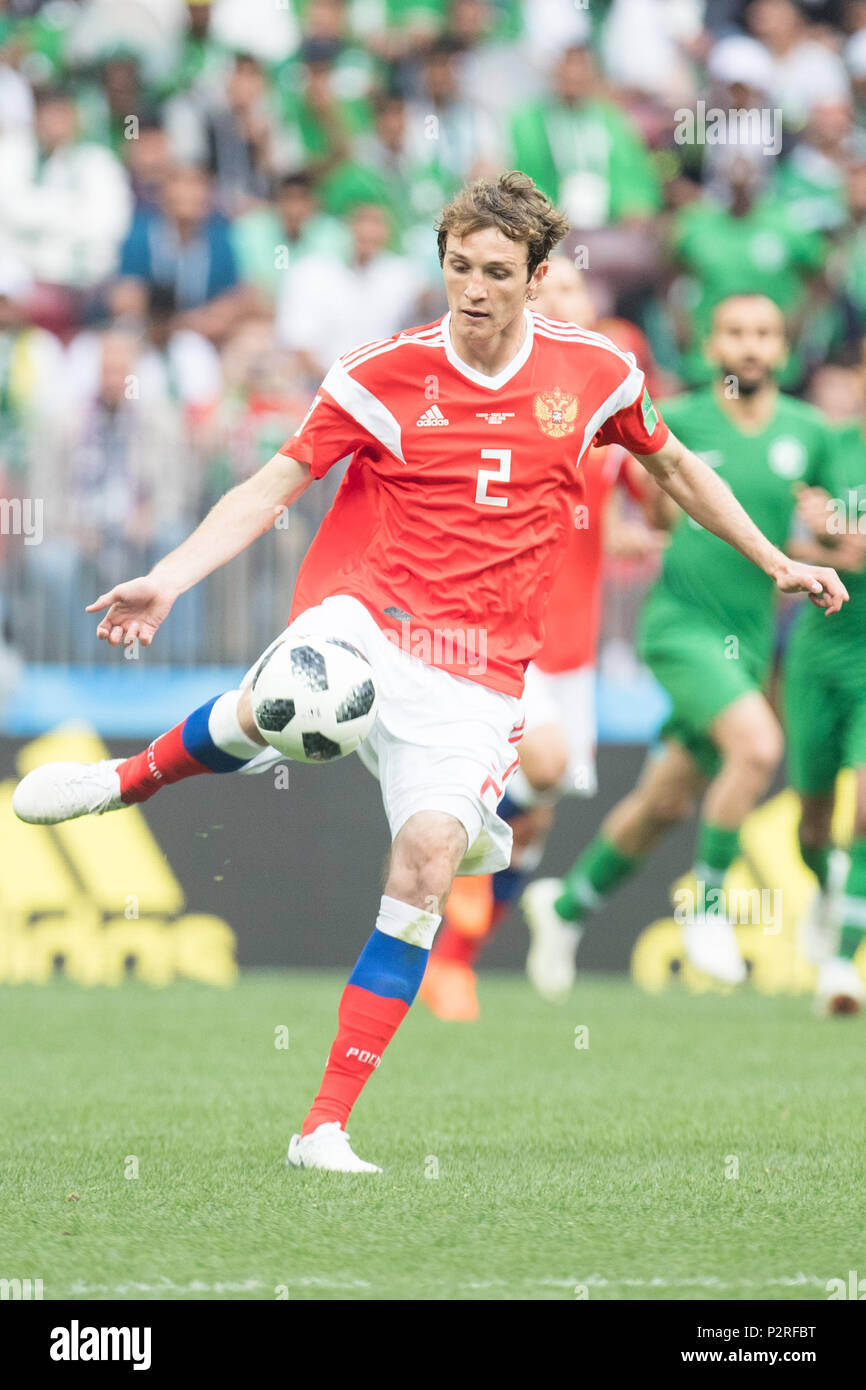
x=706, y=633
x=825, y=714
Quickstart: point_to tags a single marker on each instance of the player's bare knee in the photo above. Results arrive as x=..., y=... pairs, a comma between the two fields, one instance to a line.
x=424, y=859
x=544, y=762
x=549, y=770
x=424, y=885
x=758, y=756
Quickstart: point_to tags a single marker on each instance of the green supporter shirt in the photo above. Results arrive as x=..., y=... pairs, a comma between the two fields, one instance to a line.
x=416, y=194
x=196, y=58
x=589, y=159
x=42, y=38
x=378, y=16
x=313, y=133
x=850, y=266
x=703, y=574
x=843, y=475
x=264, y=255
x=763, y=252
x=814, y=195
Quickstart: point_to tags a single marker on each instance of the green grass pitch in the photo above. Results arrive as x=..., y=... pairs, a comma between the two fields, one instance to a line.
x=699, y=1147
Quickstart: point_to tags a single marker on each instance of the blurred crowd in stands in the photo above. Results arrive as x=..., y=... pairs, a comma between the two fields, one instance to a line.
x=203, y=204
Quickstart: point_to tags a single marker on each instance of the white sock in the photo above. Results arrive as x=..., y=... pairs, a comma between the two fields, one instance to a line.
x=225, y=730
x=407, y=923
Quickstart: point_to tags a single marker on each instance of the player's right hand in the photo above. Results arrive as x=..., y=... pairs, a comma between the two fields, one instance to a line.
x=135, y=611
x=822, y=584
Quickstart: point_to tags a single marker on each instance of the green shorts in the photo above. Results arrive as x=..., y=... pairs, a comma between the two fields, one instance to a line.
x=825, y=710
x=702, y=668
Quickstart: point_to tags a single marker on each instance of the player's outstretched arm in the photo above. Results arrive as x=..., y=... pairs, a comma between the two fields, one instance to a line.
x=136, y=609
x=701, y=493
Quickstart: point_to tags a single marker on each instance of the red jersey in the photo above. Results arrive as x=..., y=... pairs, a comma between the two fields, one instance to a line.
x=570, y=626
x=449, y=523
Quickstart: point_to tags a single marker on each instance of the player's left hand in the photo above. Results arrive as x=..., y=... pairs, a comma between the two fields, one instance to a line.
x=822, y=584
x=813, y=511
x=634, y=540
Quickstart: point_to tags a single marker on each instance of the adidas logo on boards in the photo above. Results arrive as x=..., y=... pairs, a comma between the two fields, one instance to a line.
x=433, y=416
x=95, y=922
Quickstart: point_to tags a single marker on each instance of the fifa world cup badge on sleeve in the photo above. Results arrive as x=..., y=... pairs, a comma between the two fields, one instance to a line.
x=650, y=414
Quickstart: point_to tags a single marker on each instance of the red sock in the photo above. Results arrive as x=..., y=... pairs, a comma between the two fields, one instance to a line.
x=187, y=750
x=163, y=761
x=366, y=1024
x=454, y=945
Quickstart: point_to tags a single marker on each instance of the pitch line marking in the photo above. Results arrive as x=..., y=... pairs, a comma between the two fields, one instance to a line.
x=598, y=1281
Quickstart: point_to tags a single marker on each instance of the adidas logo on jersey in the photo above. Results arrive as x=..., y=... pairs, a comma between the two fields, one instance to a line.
x=433, y=416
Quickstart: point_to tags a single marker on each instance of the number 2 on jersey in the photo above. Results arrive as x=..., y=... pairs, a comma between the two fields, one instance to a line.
x=502, y=474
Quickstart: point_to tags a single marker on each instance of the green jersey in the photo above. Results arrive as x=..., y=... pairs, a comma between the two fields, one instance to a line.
x=704, y=575
x=813, y=191
x=825, y=664
x=851, y=264
x=264, y=254
x=589, y=159
x=766, y=251
x=843, y=475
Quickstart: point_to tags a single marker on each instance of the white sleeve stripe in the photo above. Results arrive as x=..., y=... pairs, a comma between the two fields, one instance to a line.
x=363, y=351
x=625, y=394
x=365, y=408
x=565, y=333
x=361, y=355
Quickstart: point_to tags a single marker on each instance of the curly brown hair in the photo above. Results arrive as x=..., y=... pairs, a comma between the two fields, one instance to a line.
x=513, y=204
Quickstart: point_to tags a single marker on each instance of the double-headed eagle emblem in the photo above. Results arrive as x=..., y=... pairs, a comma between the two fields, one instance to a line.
x=556, y=413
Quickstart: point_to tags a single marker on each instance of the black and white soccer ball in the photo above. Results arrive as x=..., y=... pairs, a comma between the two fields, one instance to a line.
x=314, y=698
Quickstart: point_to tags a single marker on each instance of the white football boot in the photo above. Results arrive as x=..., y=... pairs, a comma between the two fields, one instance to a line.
x=553, y=942
x=710, y=944
x=64, y=791
x=328, y=1148
x=840, y=988
x=818, y=928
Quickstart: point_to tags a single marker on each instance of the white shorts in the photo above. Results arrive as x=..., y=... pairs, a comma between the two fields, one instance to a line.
x=567, y=698
x=439, y=743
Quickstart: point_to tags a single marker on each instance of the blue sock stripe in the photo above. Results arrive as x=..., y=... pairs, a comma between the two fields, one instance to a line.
x=508, y=809
x=197, y=741
x=390, y=968
x=508, y=884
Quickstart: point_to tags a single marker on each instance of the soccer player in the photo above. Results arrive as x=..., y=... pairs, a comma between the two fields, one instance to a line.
x=557, y=751
x=825, y=717
x=466, y=437
x=706, y=632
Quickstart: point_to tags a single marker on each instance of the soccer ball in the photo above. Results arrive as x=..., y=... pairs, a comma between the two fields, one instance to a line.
x=314, y=698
